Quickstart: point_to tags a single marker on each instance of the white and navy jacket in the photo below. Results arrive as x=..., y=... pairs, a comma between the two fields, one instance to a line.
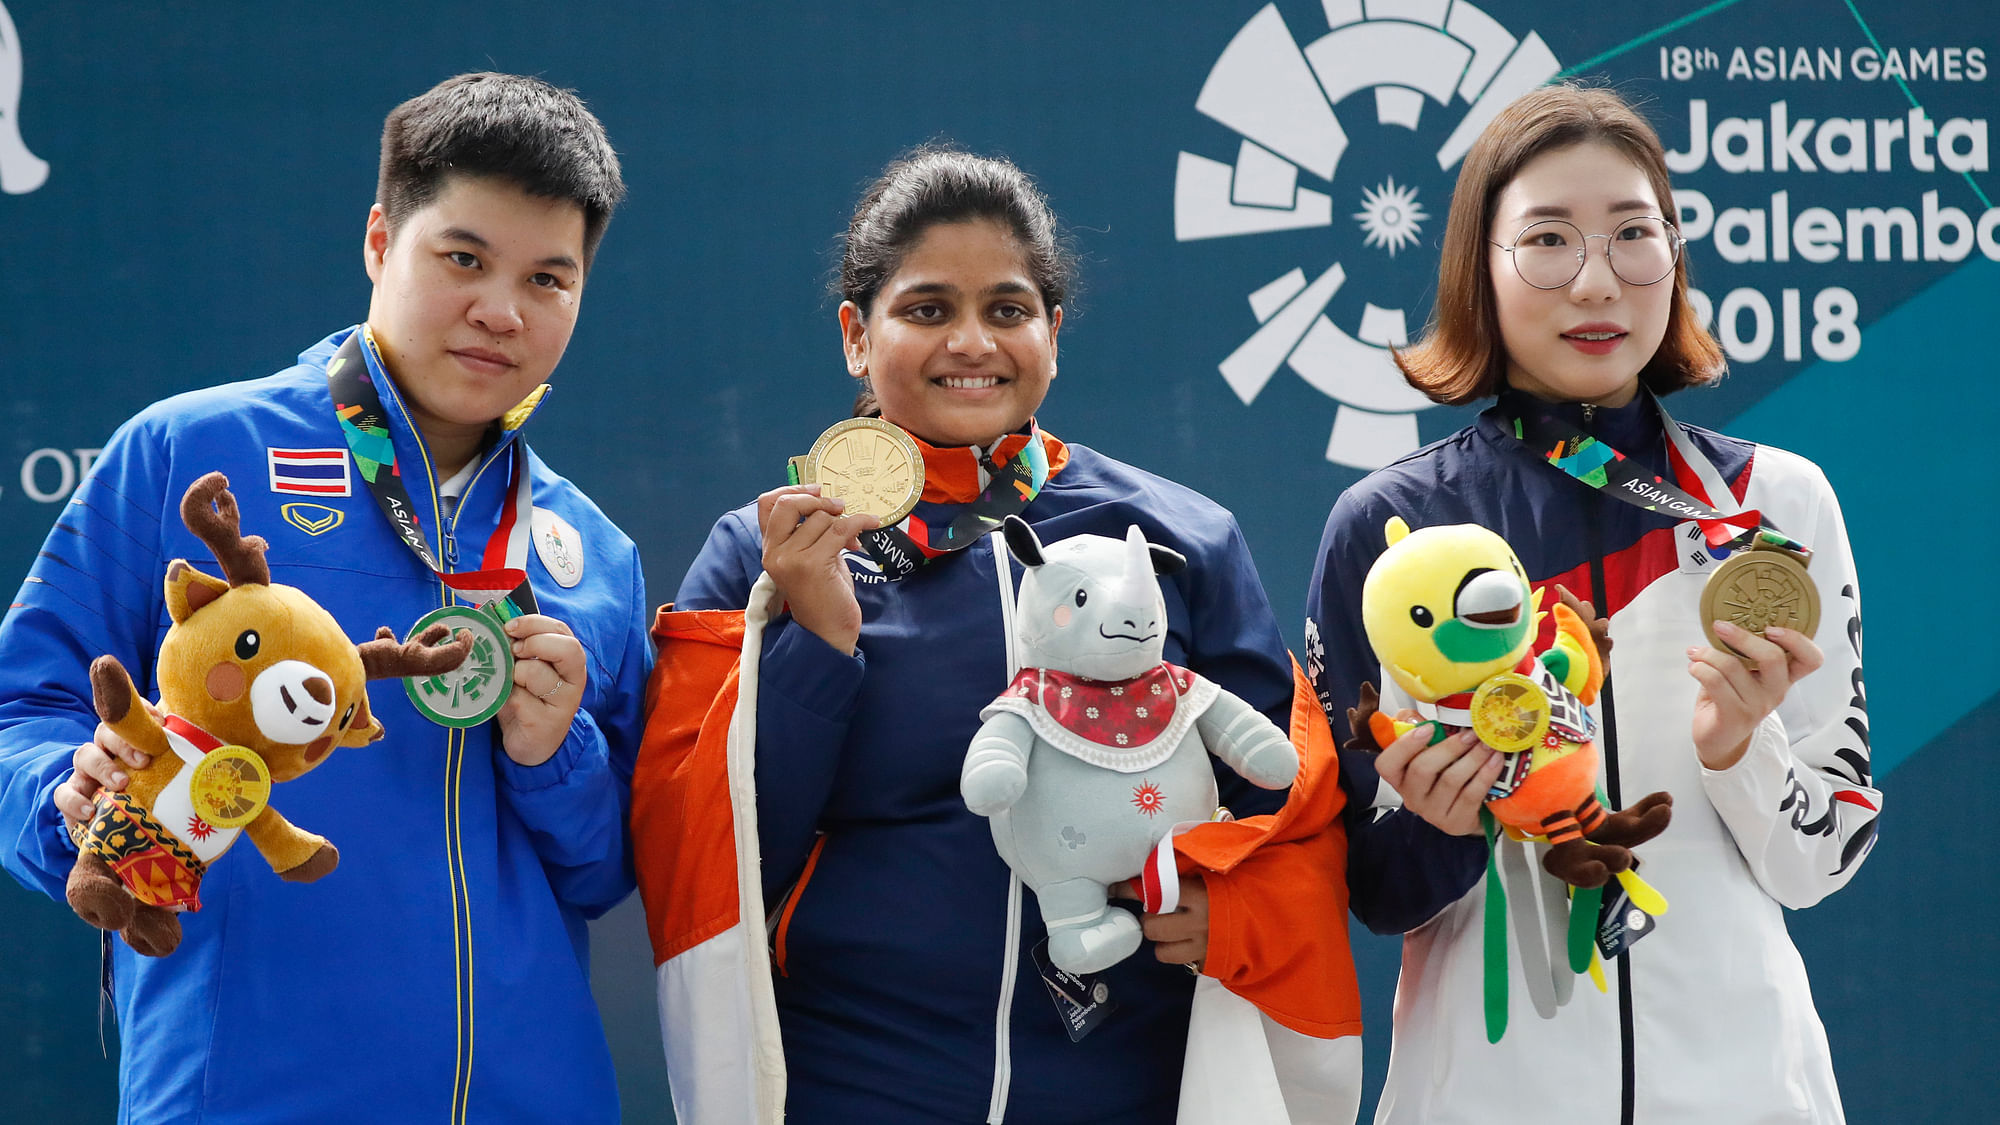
x=1711, y=1017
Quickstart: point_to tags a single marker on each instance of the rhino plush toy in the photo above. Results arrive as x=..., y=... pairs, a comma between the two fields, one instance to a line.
x=1099, y=748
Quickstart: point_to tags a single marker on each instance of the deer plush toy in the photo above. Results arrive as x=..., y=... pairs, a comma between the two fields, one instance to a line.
x=258, y=684
x=1099, y=747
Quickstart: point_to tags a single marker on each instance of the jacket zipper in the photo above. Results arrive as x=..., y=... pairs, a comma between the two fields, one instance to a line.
x=1003, y=1020
x=461, y=890
x=451, y=525
x=457, y=745
x=783, y=930
x=455, y=753
x=1627, y=1076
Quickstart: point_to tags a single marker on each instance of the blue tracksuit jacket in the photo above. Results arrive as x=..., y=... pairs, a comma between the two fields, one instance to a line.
x=440, y=974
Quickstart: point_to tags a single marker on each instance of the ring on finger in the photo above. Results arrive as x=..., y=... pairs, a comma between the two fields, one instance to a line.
x=560, y=684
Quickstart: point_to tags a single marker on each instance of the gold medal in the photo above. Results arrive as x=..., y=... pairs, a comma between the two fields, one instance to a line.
x=1510, y=713
x=871, y=464
x=1759, y=588
x=230, y=786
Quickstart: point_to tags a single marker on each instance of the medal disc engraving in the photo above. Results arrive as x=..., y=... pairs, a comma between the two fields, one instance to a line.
x=473, y=692
x=872, y=465
x=230, y=786
x=1510, y=713
x=1757, y=589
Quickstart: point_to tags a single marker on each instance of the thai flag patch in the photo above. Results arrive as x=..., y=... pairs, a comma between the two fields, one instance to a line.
x=310, y=472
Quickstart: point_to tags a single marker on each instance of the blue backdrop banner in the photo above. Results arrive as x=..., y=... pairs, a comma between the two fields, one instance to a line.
x=1258, y=191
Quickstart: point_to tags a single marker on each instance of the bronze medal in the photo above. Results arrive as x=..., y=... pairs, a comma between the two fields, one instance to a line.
x=1759, y=588
x=872, y=465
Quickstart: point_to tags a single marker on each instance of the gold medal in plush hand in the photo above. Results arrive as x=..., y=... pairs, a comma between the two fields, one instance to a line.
x=1759, y=588
x=871, y=464
x=1510, y=713
x=230, y=786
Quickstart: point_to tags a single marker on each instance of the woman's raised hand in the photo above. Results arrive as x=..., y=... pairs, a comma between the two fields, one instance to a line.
x=1736, y=694
x=804, y=534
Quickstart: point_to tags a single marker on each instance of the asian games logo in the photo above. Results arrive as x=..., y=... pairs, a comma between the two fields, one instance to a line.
x=21, y=171
x=1434, y=72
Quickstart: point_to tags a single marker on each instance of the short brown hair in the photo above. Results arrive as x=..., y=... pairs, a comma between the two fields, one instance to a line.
x=1461, y=358
x=506, y=126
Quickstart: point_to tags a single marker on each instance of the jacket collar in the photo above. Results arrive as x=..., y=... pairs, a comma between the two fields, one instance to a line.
x=1631, y=428
x=508, y=425
x=953, y=474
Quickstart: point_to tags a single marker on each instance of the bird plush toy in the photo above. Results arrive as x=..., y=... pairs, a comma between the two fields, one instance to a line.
x=1099, y=748
x=1451, y=617
x=258, y=684
x=1453, y=620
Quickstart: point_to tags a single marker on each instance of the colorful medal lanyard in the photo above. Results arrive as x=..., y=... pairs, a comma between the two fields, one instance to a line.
x=904, y=546
x=501, y=583
x=1598, y=465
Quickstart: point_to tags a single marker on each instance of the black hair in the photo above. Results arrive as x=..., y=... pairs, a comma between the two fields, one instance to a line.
x=935, y=184
x=506, y=126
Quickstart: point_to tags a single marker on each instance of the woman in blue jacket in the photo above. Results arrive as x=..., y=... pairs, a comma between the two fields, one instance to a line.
x=905, y=955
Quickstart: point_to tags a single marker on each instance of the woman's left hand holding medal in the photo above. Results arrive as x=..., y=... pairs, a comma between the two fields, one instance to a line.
x=1737, y=693
x=804, y=534
x=550, y=669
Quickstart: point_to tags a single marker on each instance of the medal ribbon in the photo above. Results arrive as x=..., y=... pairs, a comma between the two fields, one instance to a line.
x=503, y=576
x=1597, y=464
x=908, y=544
x=192, y=736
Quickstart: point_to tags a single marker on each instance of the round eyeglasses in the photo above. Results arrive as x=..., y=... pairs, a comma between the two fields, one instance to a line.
x=1549, y=254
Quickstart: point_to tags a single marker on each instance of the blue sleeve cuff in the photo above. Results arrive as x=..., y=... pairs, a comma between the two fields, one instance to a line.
x=573, y=754
x=809, y=673
x=57, y=825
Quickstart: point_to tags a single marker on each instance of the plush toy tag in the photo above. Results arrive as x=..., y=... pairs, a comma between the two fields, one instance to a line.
x=1620, y=923
x=1082, y=1002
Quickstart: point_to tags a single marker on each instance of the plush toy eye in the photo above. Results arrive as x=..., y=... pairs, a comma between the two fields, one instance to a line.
x=1421, y=616
x=1082, y=596
x=347, y=716
x=247, y=644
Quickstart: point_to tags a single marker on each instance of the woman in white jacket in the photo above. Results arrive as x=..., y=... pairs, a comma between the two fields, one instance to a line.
x=1563, y=295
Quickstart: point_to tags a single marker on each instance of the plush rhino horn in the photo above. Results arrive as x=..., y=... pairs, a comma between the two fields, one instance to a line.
x=1137, y=579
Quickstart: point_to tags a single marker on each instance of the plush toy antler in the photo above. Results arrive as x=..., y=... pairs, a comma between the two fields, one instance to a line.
x=425, y=654
x=209, y=510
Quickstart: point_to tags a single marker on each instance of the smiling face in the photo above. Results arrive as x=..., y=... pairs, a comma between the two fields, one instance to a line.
x=476, y=294
x=958, y=344
x=1586, y=341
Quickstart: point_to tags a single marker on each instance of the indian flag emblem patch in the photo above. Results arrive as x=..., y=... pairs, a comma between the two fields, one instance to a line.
x=559, y=547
